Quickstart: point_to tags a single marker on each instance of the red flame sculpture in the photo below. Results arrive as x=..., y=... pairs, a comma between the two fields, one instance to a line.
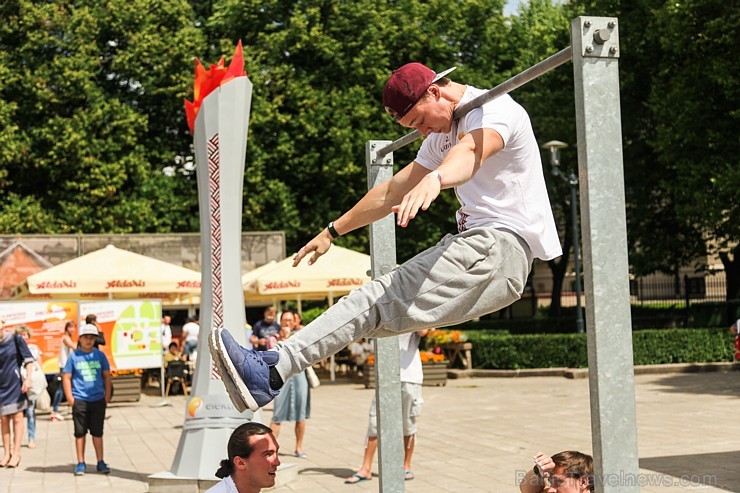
x=208, y=80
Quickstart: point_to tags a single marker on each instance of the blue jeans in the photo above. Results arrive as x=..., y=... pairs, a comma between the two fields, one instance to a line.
x=57, y=398
x=190, y=347
x=31, y=417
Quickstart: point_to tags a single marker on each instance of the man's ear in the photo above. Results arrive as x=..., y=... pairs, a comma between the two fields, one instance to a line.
x=585, y=483
x=435, y=91
x=240, y=463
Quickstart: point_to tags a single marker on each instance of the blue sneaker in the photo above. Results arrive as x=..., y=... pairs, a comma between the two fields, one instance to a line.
x=80, y=469
x=248, y=370
x=103, y=467
x=231, y=387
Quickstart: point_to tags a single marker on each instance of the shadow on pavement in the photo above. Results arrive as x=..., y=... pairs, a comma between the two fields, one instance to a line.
x=717, y=469
x=69, y=468
x=692, y=383
x=339, y=472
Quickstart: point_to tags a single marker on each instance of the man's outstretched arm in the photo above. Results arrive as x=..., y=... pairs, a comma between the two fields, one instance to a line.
x=376, y=204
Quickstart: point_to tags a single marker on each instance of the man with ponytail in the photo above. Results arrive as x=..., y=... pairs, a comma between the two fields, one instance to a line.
x=252, y=463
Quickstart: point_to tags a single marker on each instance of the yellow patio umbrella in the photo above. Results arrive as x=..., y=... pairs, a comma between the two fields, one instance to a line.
x=336, y=273
x=249, y=279
x=112, y=273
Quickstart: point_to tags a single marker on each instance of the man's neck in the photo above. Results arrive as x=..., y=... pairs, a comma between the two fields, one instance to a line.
x=453, y=92
x=243, y=485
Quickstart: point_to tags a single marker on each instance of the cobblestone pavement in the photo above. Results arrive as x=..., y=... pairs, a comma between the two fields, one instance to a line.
x=475, y=435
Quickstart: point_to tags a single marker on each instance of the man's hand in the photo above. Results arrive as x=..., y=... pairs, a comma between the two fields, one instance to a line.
x=420, y=197
x=318, y=246
x=26, y=385
x=544, y=464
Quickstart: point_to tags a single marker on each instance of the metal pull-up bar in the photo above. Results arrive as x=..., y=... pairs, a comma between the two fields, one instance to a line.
x=563, y=56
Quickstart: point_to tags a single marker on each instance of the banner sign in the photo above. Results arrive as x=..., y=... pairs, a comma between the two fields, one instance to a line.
x=132, y=329
x=46, y=321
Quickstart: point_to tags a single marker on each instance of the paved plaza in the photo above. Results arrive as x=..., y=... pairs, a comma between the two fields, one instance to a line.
x=475, y=435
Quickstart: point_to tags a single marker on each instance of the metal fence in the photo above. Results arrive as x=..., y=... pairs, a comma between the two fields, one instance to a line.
x=679, y=289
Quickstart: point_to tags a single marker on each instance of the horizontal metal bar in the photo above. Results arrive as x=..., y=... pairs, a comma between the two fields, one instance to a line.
x=559, y=58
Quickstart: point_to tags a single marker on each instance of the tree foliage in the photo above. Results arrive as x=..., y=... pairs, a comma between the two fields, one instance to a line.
x=680, y=99
x=90, y=98
x=318, y=70
x=93, y=137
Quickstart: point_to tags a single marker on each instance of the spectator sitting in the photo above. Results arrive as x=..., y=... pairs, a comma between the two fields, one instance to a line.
x=173, y=354
x=565, y=472
x=267, y=332
x=360, y=351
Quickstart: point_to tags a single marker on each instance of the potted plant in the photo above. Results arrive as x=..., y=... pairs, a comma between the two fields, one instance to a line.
x=433, y=365
x=450, y=343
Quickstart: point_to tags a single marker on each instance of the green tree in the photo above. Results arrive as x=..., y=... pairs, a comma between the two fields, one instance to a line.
x=318, y=70
x=680, y=114
x=92, y=94
x=541, y=29
x=695, y=103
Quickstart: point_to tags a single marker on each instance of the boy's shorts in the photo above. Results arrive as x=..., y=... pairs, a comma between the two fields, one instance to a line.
x=411, y=404
x=88, y=416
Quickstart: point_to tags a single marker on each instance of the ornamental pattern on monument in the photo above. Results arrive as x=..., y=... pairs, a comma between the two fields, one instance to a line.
x=214, y=186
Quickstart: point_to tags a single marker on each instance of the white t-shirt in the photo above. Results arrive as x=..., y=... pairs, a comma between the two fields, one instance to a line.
x=226, y=485
x=411, y=370
x=166, y=335
x=191, y=330
x=64, y=351
x=508, y=191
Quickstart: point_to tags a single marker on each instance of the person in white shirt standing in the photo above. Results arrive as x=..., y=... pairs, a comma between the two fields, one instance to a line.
x=412, y=376
x=190, y=332
x=252, y=463
x=166, y=332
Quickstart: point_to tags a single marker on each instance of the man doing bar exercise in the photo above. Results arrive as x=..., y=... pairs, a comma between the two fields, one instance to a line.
x=492, y=160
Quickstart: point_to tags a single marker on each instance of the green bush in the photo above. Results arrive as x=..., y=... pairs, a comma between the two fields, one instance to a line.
x=651, y=347
x=496, y=350
x=311, y=314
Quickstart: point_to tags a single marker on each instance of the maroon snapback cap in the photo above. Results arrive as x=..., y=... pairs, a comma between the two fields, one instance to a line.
x=406, y=86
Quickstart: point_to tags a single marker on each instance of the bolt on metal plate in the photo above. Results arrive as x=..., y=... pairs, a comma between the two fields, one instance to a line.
x=600, y=37
x=372, y=153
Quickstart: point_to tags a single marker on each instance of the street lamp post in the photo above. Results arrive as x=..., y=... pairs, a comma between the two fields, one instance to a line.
x=554, y=147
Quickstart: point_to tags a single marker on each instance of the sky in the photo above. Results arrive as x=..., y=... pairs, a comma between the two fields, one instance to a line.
x=511, y=6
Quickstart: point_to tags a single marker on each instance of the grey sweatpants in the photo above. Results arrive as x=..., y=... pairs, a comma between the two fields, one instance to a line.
x=462, y=277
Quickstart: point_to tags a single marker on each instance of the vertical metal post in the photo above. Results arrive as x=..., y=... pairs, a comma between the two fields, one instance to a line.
x=595, y=42
x=573, y=182
x=387, y=357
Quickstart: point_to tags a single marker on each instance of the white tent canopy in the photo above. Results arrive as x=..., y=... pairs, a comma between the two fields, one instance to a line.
x=336, y=273
x=111, y=271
